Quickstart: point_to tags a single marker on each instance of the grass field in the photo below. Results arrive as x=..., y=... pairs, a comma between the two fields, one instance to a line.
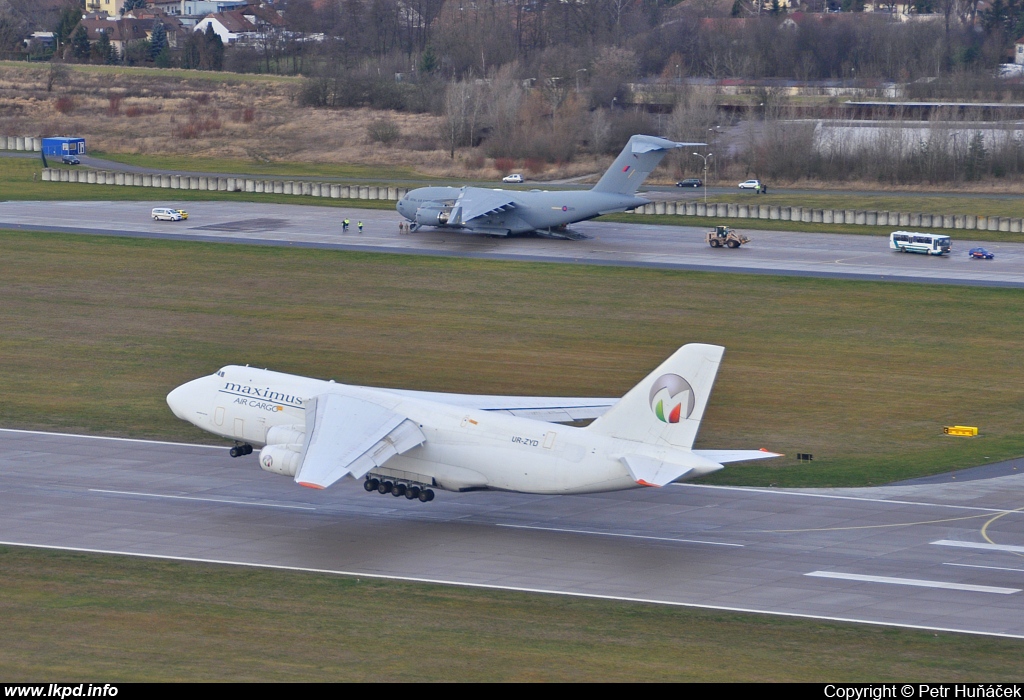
x=1009, y=206
x=862, y=375
x=117, y=619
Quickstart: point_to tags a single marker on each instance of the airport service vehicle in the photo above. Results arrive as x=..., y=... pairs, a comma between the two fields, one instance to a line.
x=499, y=212
x=981, y=254
x=750, y=185
x=408, y=443
x=690, y=182
x=70, y=160
x=914, y=242
x=721, y=236
x=166, y=214
x=513, y=178
x=184, y=214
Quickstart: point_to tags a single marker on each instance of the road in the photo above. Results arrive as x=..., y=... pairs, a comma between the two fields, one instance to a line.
x=604, y=243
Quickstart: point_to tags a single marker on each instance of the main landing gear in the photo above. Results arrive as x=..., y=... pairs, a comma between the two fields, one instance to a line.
x=410, y=491
x=240, y=450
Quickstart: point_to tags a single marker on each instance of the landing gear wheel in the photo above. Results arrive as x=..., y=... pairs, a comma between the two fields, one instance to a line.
x=398, y=490
x=412, y=493
x=370, y=485
x=247, y=449
x=426, y=495
x=235, y=451
x=384, y=487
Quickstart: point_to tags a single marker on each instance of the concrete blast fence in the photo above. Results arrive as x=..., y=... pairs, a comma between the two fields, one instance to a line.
x=892, y=219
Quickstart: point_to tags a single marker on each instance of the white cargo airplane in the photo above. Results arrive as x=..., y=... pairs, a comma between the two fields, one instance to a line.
x=409, y=442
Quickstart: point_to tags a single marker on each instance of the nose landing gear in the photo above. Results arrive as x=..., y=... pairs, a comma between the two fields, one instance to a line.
x=411, y=491
x=240, y=450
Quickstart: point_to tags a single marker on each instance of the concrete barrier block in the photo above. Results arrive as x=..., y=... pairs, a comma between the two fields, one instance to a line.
x=402, y=191
x=659, y=208
x=364, y=192
x=119, y=179
x=947, y=221
x=392, y=194
x=732, y=210
x=250, y=185
x=702, y=209
x=904, y=219
x=19, y=143
x=743, y=211
x=65, y=176
x=970, y=222
x=764, y=211
x=959, y=220
x=278, y=187
x=335, y=191
x=806, y=214
x=259, y=186
x=691, y=209
x=319, y=188
x=648, y=208
x=915, y=220
x=136, y=179
x=288, y=187
x=37, y=144
x=46, y=175
x=91, y=177
x=1004, y=223
x=993, y=223
x=871, y=218
x=307, y=189
x=375, y=193
x=721, y=209
x=222, y=185
x=859, y=218
x=147, y=180
x=775, y=213
x=818, y=216
x=828, y=216
x=926, y=220
x=786, y=213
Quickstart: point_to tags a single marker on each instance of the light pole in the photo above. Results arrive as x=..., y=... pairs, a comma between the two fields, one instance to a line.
x=705, y=159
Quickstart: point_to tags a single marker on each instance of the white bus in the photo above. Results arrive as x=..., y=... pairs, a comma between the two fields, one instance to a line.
x=913, y=242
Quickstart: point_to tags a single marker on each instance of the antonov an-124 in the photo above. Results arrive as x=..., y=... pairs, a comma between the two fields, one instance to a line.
x=408, y=443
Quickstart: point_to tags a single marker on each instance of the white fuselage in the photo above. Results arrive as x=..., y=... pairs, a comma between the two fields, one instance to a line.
x=465, y=448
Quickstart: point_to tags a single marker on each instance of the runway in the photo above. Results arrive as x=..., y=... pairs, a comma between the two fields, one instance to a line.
x=606, y=243
x=935, y=556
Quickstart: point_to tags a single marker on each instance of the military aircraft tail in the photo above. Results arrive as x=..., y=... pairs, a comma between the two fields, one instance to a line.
x=666, y=407
x=640, y=156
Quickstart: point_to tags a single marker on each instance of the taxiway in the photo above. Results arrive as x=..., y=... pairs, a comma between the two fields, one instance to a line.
x=606, y=243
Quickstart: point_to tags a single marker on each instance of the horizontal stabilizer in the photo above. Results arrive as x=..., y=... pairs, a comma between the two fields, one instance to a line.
x=726, y=456
x=346, y=435
x=647, y=471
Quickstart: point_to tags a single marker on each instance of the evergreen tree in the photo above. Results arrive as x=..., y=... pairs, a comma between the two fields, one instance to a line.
x=130, y=5
x=80, y=46
x=103, y=50
x=70, y=16
x=157, y=41
x=213, y=58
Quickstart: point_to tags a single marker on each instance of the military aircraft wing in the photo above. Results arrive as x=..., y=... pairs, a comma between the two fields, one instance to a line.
x=554, y=409
x=346, y=435
x=475, y=202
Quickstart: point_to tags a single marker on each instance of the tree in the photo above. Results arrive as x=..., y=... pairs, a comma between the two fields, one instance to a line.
x=70, y=16
x=103, y=51
x=213, y=54
x=80, y=46
x=157, y=41
x=130, y=5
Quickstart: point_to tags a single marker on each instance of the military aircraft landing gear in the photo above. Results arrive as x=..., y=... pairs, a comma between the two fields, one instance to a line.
x=240, y=450
x=412, y=492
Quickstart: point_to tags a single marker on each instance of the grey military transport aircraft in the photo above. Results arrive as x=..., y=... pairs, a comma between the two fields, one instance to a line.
x=498, y=212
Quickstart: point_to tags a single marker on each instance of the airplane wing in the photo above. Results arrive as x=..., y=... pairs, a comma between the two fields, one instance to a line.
x=346, y=435
x=726, y=456
x=474, y=202
x=552, y=409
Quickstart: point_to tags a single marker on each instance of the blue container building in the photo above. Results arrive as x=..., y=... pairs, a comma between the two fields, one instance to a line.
x=64, y=146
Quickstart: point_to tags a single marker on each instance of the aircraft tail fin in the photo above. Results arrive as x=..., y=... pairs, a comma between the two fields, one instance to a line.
x=640, y=156
x=666, y=407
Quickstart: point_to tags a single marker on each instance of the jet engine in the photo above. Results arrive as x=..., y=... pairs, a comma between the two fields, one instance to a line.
x=432, y=216
x=286, y=435
x=281, y=459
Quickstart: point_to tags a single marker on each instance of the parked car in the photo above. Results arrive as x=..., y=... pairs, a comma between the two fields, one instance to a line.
x=750, y=185
x=70, y=160
x=981, y=254
x=166, y=214
x=514, y=178
x=184, y=214
x=690, y=182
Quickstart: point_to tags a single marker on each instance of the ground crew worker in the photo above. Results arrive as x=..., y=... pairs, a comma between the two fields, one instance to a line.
x=344, y=225
x=360, y=225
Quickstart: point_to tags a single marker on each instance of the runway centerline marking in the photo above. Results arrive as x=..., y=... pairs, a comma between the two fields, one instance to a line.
x=517, y=589
x=981, y=545
x=207, y=500
x=617, y=534
x=922, y=583
x=979, y=566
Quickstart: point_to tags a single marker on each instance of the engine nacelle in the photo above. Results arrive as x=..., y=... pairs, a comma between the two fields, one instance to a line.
x=286, y=435
x=432, y=216
x=281, y=459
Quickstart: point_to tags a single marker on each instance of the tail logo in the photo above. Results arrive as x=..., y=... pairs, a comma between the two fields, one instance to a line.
x=668, y=394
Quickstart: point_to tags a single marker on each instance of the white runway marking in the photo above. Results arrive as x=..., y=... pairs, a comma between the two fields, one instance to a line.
x=980, y=545
x=617, y=534
x=776, y=492
x=914, y=582
x=979, y=566
x=517, y=589
x=116, y=439
x=208, y=500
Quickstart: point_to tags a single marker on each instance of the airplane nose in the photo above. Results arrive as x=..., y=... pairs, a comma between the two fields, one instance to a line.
x=184, y=400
